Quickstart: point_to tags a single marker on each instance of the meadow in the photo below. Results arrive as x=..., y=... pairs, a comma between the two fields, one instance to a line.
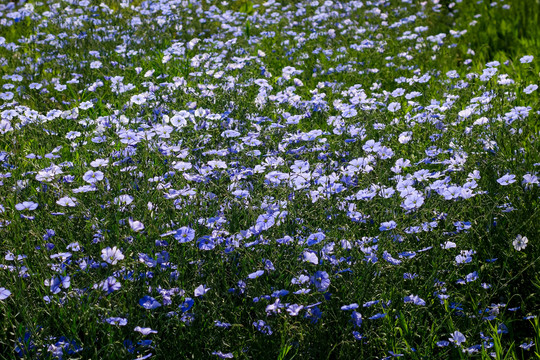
x=195, y=179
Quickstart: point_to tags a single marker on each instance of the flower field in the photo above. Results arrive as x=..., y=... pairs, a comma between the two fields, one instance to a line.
x=190, y=179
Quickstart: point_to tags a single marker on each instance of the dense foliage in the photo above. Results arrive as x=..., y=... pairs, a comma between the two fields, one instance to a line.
x=312, y=179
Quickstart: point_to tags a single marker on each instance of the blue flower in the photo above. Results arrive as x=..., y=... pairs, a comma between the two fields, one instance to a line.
x=111, y=256
x=356, y=319
x=457, y=338
x=57, y=282
x=315, y=238
x=145, y=331
x=386, y=256
x=136, y=225
x=222, y=355
x=26, y=205
x=349, y=307
x=149, y=303
x=471, y=277
x=4, y=293
x=507, y=179
x=280, y=293
x=388, y=225
x=264, y=222
x=294, y=309
x=201, y=290
x=371, y=303
x=377, y=316
x=206, y=243
x=268, y=265
x=187, y=304
x=116, y=321
x=321, y=280
x=222, y=324
x=184, y=234
x=110, y=285
x=261, y=326
x=526, y=346
x=311, y=257
x=92, y=177
x=526, y=59
x=414, y=299
x=255, y=274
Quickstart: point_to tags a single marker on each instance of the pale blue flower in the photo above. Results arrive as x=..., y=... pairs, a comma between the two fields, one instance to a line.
x=311, y=257
x=184, y=234
x=201, y=290
x=415, y=299
x=530, y=89
x=526, y=59
x=222, y=355
x=294, y=309
x=93, y=177
x=4, y=293
x=321, y=280
x=116, y=321
x=145, y=331
x=457, y=338
x=112, y=255
x=26, y=205
x=507, y=179
x=254, y=275
x=136, y=225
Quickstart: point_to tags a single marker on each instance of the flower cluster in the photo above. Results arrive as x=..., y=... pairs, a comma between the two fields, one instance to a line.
x=246, y=179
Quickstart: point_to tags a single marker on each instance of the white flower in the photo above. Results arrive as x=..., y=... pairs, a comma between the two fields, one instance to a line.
x=520, y=242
